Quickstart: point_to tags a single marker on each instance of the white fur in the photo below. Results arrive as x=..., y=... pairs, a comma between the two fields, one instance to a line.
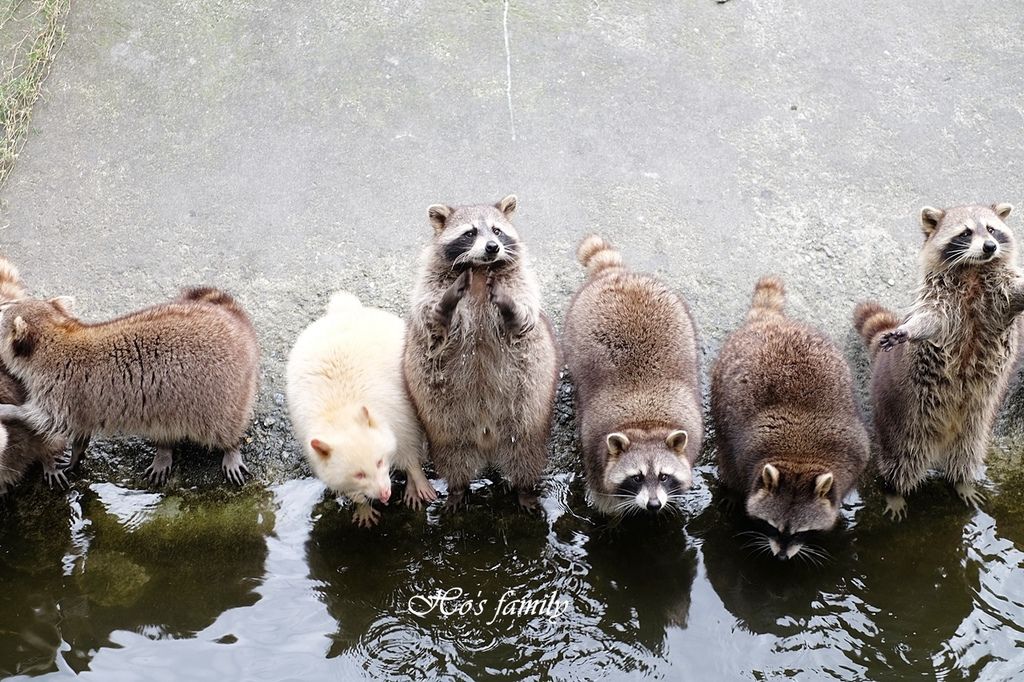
x=347, y=360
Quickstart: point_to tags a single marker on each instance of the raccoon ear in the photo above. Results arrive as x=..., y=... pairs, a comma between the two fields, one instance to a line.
x=823, y=484
x=677, y=440
x=617, y=443
x=1003, y=210
x=23, y=338
x=930, y=218
x=770, y=477
x=366, y=418
x=439, y=214
x=507, y=205
x=321, y=448
x=65, y=304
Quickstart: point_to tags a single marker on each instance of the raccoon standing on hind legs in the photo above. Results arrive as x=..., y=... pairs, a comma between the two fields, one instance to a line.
x=942, y=373
x=480, y=361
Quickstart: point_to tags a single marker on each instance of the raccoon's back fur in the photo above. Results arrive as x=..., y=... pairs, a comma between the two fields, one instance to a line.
x=187, y=369
x=631, y=347
x=782, y=394
x=484, y=393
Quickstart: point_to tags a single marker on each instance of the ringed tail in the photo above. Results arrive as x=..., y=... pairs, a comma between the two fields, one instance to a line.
x=871, y=320
x=212, y=296
x=597, y=255
x=768, y=300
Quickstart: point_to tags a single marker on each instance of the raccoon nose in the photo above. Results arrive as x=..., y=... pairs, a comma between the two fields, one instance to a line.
x=653, y=504
x=492, y=247
x=989, y=247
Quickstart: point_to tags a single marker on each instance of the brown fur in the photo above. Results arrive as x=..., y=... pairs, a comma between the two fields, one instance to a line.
x=871, y=320
x=481, y=363
x=25, y=446
x=782, y=395
x=631, y=347
x=937, y=392
x=183, y=370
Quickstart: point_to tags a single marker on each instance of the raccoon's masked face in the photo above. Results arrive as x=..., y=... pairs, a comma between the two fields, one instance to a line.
x=647, y=475
x=473, y=236
x=25, y=324
x=967, y=235
x=791, y=506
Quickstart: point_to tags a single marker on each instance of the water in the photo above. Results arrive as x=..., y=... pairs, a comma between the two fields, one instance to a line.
x=277, y=584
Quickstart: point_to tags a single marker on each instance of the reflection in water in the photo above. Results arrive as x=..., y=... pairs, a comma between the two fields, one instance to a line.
x=197, y=587
x=616, y=591
x=34, y=539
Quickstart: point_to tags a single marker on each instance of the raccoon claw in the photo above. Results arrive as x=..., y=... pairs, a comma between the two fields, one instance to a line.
x=234, y=468
x=970, y=495
x=157, y=474
x=418, y=493
x=896, y=507
x=892, y=339
x=56, y=476
x=456, y=499
x=365, y=516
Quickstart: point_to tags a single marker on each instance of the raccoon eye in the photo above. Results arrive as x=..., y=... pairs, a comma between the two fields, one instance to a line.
x=469, y=233
x=361, y=475
x=990, y=230
x=638, y=478
x=496, y=231
x=966, y=233
x=662, y=477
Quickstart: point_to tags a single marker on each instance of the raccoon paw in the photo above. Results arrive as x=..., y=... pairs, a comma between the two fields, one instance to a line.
x=896, y=507
x=55, y=476
x=528, y=500
x=234, y=468
x=970, y=494
x=456, y=499
x=418, y=492
x=892, y=339
x=365, y=516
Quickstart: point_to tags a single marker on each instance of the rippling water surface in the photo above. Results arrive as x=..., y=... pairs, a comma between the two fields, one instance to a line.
x=278, y=584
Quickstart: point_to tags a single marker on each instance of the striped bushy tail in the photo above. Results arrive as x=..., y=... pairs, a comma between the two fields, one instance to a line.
x=871, y=320
x=213, y=297
x=768, y=300
x=10, y=282
x=343, y=302
x=597, y=255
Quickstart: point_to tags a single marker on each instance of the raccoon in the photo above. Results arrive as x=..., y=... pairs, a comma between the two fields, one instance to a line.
x=945, y=369
x=631, y=347
x=183, y=370
x=481, y=362
x=21, y=446
x=789, y=434
x=350, y=409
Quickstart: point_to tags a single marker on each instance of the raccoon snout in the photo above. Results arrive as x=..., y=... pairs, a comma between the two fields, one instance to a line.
x=989, y=247
x=491, y=248
x=385, y=494
x=654, y=504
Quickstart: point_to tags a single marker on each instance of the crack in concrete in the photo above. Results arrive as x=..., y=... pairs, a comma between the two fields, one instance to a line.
x=508, y=72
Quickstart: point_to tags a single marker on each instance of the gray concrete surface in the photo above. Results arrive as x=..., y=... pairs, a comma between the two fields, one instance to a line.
x=286, y=150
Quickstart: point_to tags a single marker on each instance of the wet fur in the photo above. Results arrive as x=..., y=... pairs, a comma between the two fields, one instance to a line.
x=481, y=362
x=937, y=391
x=183, y=370
x=631, y=348
x=782, y=394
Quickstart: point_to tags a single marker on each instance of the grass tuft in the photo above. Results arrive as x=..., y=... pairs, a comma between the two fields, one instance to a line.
x=31, y=33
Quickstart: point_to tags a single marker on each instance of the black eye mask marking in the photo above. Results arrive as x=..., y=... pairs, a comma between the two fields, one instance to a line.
x=956, y=246
x=459, y=245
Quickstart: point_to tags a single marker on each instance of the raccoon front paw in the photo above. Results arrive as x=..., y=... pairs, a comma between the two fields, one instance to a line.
x=896, y=507
x=418, y=493
x=892, y=339
x=365, y=516
x=55, y=476
x=528, y=499
x=970, y=494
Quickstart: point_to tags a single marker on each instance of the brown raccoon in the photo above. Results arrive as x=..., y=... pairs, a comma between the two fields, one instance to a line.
x=187, y=369
x=24, y=446
x=631, y=347
x=789, y=435
x=480, y=361
x=937, y=389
